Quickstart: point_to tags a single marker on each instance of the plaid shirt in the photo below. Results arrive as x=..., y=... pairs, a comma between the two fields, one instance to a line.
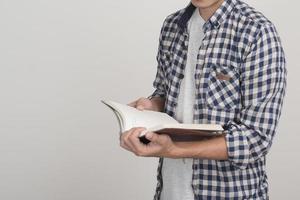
x=240, y=80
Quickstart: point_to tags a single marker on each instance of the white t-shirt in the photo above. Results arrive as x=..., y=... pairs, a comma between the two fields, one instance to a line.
x=177, y=173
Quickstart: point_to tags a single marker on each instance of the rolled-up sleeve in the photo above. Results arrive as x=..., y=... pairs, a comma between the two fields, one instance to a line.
x=263, y=84
x=159, y=81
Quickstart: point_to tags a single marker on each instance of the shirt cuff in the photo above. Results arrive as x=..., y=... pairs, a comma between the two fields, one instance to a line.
x=237, y=146
x=157, y=93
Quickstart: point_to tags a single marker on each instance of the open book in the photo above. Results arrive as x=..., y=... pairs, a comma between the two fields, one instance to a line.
x=161, y=123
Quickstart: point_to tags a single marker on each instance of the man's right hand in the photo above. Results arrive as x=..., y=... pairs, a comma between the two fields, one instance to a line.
x=155, y=104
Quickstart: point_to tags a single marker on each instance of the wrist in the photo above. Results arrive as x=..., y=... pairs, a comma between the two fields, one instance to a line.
x=158, y=104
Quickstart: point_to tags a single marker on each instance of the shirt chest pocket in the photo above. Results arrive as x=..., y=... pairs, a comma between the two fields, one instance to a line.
x=223, y=91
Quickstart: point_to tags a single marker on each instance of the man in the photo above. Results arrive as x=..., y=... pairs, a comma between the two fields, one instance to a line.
x=219, y=61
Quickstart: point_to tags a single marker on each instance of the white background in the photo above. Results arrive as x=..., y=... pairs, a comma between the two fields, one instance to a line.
x=58, y=58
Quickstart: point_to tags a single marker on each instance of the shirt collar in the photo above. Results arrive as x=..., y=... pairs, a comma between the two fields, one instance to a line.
x=214, y=21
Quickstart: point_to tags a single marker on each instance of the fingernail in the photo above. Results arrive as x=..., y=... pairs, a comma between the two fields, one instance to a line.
x=143, y=132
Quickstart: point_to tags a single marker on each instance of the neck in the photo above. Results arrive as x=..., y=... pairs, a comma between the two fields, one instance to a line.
x=207, y=12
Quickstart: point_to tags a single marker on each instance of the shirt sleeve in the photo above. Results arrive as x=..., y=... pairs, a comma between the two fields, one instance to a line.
x=159, y=81
x=263, y=83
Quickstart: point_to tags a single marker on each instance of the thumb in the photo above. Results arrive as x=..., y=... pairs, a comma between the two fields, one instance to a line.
x=153, y=137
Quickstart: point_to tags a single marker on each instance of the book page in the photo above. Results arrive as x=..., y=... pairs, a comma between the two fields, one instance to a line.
x=133, y=117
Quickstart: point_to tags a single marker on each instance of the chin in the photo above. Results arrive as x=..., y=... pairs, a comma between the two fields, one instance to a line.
x=204, y=3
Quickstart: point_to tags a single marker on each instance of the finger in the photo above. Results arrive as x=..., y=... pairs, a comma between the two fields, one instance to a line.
x=134, y=135
x=124, y=146
x=132, y=104
x=126, y=141
x=146, y=104
x=140, y=104
x=134, y=140
x=156, y=138
x=140, y=107
x=122, y=143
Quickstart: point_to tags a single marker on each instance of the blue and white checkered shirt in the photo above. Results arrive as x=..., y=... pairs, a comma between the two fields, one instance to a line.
x=240, y=80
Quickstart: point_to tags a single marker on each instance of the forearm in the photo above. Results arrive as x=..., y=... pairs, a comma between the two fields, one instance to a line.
x=214, y=149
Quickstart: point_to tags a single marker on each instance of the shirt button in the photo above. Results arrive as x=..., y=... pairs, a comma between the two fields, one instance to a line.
x=186, y=43
x=181, y=76
x=174, y=104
